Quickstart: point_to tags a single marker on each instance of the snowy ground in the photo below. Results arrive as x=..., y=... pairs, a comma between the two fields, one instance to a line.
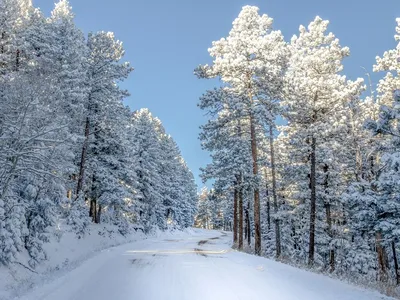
x=65, y=253
x=197, y=264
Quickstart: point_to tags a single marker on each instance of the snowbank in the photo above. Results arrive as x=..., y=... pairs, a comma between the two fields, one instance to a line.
x=65, y=253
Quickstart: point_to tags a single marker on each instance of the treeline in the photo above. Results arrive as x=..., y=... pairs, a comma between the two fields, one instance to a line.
x=213, y=211
x=70, y=151
x=321, y=190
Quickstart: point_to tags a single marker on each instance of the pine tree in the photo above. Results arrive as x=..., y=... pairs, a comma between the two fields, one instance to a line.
x=382, y=188
x=248, y=59
x=313, y=98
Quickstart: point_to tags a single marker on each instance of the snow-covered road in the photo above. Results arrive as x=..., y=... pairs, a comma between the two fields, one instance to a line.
x=193, y=266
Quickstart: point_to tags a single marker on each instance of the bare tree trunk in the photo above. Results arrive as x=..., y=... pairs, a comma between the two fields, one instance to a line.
x=396, y=264
x=235, y=216
x=245, y=223
x=268, y=215
x=93, y=200
x=329, y=220
x=240, y=198
x=248, y=224
x=268, y=204
x=331, y=251
x=3, y=36
x=274, y=196
x=240, y=217
x=313, y=204
x=17, y=60
x=381, y=256
x=257, y=227
x=98, y=215
x=83, y=159
x=93, y=210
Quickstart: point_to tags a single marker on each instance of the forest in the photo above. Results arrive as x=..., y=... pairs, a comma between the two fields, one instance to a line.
x=71, y=153
x=305, y=162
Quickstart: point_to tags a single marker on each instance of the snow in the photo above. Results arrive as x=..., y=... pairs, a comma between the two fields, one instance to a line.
x=65, y=253
x=195, y=264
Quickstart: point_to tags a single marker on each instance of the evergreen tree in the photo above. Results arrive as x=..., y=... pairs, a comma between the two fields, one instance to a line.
x=249, y=61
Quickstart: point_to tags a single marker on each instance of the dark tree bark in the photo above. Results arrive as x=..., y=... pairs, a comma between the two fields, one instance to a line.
x=381, y=256
x=93, y=210
x=313, y=204
x=268, y=214
x=246, y=214
x=248, y=226
x=268, y=204
x=3, y=36
x=257, y=227
x=331, y=251
x=240, y=217
x=17, y=60
x=235, y=216
x=83, y=159
x=396, y=264
x=274, y=195
x=98, y=214
x=329, y=220
x=240, y=198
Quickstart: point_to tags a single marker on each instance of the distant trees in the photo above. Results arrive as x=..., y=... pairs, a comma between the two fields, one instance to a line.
x=327, y=175
x=70, y=151
x=212, y=212
x=166, y=192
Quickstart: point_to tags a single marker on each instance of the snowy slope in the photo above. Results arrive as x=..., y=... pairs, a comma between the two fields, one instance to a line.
x=65, y=253
x=192, y=265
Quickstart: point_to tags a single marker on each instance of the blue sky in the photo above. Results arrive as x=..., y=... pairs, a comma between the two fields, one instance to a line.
x=166, y=40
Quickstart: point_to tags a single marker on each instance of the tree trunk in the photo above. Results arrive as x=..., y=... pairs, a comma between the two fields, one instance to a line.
x=3, y=36
x=331, y=251
x=381, y=256
x=313, y=204
x=257, y=227
x=17, y=60
x=268, y=204
x=240, y=197
x=329, y=220
x=83, y=159
x=98, y=215
x=248, y=224
x=240, y=218
x=396, y=264
x=245, y=223
x=235, y=216
x=93, y=210
x=268, y=214
x=274, y=196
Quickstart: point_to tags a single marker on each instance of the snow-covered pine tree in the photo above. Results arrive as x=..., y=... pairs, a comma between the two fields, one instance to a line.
x=225, y=137
x=382, y=189
x=147, y=157
x=165, y=186
x=33, y=133
x=249, y=61
x=61, y=114
x=102, y=115
x=314, y=96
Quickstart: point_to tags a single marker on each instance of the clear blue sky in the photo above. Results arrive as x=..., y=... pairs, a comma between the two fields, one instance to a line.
x=166, y=40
